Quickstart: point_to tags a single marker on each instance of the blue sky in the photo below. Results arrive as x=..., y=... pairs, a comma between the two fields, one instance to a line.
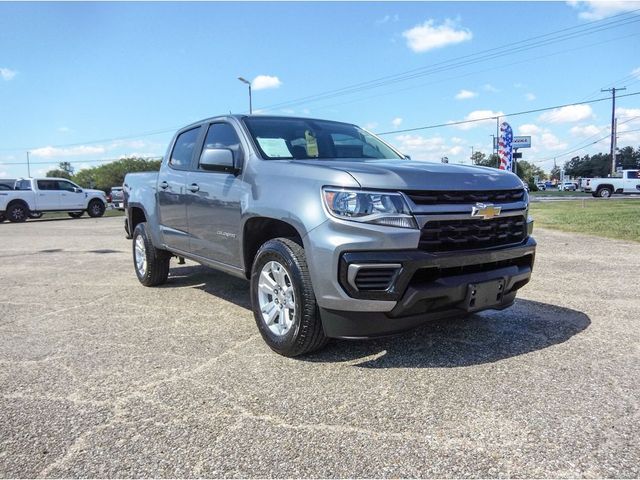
x=84, y=82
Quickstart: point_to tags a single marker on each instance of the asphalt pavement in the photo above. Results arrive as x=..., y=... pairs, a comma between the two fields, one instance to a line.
x=102, y=377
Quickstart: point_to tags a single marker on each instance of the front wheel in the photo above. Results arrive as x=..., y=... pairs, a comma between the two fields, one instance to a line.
x=151, y=263
x=96, y=208
x=284, y=305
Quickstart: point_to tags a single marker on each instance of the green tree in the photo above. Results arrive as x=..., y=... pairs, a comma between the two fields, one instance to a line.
x=480, y=159
x=58, y=173
x=108, y=175
x=527, y=171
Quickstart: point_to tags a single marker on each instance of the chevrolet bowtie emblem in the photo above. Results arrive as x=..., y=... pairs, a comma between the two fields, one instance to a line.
x=485, y=210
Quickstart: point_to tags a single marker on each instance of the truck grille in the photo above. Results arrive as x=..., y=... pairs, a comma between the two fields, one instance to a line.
x=448, y=235
x=374, y=278
x=435, y=197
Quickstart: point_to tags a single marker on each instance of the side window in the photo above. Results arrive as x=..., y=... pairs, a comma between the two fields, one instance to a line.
x=66, y=186
x=633, y=175
x=47, y=185
x=23, y=185
x=223, y=135
x=183, y=149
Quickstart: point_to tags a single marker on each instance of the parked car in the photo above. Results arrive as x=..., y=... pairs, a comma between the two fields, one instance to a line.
x=628, y=183
x=541, y=186
x=568, y=186
x=117, y=198
x=33, y=196
x=339, y=234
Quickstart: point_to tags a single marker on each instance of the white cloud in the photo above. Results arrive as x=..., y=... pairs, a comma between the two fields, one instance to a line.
x=7, y=73
x=585, y=130
x=599, y=9
x=571, y=113
x=530, y=97
x=387, y=19
x=428, y=35
x=431, y=148
x=64, y=129
x=628, y=113
x=529, y=129
x=551, y=142
x=636, y=72
x=490, y=88
x=465, y=94
x=4, y=174
x=396, y=122
x=455, y=150
x=371, y=126
x=262, y=82
x=51, y=152
x=477, y=115
x=457, y=139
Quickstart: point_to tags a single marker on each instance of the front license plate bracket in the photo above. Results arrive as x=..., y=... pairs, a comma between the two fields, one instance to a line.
x=484, y=294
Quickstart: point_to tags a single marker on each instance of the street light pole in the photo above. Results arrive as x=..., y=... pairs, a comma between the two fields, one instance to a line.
x=244, y=80
x=28, y=166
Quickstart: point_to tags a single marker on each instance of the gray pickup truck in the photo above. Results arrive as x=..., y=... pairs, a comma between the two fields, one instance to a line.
x=339, y=234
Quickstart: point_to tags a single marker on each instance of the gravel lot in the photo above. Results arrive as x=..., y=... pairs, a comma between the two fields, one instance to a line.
x=100, y=376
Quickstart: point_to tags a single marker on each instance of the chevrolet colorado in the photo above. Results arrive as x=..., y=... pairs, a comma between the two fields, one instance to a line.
x=339, y=234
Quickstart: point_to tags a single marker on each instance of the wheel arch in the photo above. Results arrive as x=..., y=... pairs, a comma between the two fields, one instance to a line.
x=258, y=230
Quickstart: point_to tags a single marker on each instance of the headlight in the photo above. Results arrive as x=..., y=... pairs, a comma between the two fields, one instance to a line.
x=379, y=208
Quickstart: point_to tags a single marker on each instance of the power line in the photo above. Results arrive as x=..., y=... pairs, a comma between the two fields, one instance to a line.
x=493, y=117
x=51, y=162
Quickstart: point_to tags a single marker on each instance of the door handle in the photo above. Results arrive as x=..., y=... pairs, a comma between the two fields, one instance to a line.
x=194, y=187
x=163, y=185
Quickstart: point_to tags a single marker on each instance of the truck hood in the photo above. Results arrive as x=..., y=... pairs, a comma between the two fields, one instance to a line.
x=418, y=175
x=92, y=191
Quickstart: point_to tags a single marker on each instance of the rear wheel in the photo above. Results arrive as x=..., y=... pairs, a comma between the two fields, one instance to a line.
x=151, y=264
x=75, y=214
x=604, y=192
x=284, y=305
x=96, y=208
x=17, y=212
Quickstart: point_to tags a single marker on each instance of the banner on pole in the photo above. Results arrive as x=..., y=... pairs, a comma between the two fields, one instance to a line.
x=505, y=147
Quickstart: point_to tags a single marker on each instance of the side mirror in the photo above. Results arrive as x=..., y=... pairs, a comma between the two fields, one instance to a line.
x=220, y=159
x=408, y=157
x=77, y=190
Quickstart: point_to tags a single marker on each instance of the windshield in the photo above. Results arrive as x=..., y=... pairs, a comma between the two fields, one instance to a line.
x=298, y=138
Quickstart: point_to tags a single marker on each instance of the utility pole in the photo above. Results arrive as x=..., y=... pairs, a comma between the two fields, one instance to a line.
x=471, y=155
x=613, y=125
x=28, y=166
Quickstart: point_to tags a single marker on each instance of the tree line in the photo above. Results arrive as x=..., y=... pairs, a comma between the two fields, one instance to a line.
x=104, y=177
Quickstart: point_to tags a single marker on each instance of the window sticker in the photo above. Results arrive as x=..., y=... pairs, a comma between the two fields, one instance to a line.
x=275, y=147
x=312, y=144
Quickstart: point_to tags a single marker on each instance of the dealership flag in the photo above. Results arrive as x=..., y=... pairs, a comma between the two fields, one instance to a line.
x=505, y=151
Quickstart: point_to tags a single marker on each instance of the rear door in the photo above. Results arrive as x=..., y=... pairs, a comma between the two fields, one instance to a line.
x=48, y=195
x=172, y=179
x=632, y=181
x=214, y=196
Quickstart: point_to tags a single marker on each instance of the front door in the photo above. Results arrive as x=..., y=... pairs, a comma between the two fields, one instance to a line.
x=214, y=204
x=71, y=197
x=172, y=193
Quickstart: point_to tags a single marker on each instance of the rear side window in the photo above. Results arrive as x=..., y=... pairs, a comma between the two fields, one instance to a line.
x=183, y=149
x=633, y=175
x=47, y=185
x=23, y=185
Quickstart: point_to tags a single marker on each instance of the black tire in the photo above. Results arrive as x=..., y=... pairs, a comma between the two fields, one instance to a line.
x=36, y=215
x=305, y=334
x=604, y=192
x=96, y=208
x=157, y=260
x=75, y=214
x=17, y=212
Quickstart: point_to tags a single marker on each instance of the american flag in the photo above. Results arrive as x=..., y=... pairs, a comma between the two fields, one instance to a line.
x=505, y=151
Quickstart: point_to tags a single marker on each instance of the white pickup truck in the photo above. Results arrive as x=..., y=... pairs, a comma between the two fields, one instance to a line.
x=605, y=187
x=34, y=196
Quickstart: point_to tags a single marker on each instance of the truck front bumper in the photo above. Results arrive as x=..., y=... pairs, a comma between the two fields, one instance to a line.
x=426, y=286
